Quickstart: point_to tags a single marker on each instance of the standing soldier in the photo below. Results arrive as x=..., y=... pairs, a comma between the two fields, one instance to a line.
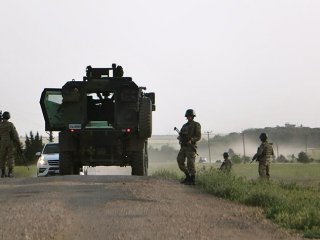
x=189, y=135
x=226, y=165
x=8, y=138
x=263, y=156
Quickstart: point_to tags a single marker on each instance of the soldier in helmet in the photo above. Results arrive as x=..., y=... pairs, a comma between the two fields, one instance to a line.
x=263, y=156
x=189, y=135
x=8, y=139
x=226, y=165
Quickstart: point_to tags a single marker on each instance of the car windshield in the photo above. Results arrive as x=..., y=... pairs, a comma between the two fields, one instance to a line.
x=51, y=148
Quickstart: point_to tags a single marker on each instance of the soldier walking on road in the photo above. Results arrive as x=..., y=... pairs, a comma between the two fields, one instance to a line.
x=189, y=135
x=263, y=156
x=8, y=139
x=226, y=165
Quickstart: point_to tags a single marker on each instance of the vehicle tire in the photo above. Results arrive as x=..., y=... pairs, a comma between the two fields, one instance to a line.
x=65, y=163
x=76, y=168
x=146, y=158
x=139, y=162
x=145, y=118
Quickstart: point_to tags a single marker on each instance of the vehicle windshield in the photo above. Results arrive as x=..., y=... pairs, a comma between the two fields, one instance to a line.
x=51, y=148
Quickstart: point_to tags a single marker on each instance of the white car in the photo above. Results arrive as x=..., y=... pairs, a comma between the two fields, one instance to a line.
x=48, y=162
x=203, y=160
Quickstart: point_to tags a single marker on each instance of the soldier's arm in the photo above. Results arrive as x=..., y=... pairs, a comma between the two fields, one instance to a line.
x=14, y=134
x=260, y=151
x=258, y=154
x=197, y=133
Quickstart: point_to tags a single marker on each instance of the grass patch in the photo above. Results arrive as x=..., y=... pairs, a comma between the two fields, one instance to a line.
x=284, y=201
x=22, y=171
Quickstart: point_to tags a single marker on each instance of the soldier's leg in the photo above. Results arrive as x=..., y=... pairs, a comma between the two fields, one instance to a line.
x=191, y=158
x=262, y=171
x=268, y=171
x=3, y=156
x=10, y=161
x=181, y=159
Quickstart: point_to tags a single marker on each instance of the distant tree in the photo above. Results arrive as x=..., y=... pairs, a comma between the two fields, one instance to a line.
x=33, y=144
x=281, y=158
x=231, y=152
x=292, y=157
x=236, y=159
x=164, y=154
x=245, y=159
x=303, y=158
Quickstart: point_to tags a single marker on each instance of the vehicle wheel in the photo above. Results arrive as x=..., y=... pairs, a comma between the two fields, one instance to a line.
x=145, y=118
x=76, y=169
x=146, y=158
x=139, y=163
x=65, y=163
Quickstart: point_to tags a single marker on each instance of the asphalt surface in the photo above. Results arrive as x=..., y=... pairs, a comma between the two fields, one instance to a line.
x=123, y=207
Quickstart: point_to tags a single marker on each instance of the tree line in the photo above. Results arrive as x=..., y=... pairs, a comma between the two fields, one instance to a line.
x=299, y=138
x=33, y=143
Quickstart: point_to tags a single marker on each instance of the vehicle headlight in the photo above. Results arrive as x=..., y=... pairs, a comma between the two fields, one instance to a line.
x=42, y=161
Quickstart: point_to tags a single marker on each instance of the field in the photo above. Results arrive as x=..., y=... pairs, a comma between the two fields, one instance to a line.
x=291, y=198
x=22, y=171
x=308, y=174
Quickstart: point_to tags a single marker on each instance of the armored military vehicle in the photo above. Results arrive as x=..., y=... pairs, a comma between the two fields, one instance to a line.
x=103, y=120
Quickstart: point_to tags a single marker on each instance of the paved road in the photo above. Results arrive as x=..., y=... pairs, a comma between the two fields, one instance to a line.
x=123, y=207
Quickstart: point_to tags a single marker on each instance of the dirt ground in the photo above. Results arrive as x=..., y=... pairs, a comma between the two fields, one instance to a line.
x=123, y=207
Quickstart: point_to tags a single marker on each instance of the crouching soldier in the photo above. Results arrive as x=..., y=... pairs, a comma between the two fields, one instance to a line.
x=226, y=165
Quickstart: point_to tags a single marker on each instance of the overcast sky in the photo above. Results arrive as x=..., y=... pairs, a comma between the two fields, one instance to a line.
x=238, y=63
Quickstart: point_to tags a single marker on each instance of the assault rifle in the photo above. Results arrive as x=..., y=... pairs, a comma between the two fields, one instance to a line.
x=255, y=157
x=184, y=140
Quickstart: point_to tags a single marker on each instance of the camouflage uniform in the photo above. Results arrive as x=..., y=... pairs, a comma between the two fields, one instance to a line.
x=8, y=137
x=226, y=165
x=264, y=156
x=192, y=131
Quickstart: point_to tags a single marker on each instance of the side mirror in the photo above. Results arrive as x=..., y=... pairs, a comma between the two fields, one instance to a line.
x=38, y=154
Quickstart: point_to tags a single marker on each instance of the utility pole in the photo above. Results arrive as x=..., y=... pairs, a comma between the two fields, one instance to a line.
x=306, y=144
x=244, y=146
x=277, y=145
x=208, y=137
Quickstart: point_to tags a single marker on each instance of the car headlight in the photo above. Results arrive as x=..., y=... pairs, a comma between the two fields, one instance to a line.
x=42, y=161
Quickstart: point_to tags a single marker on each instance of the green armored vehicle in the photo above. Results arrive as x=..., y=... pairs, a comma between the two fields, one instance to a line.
x=104, y=120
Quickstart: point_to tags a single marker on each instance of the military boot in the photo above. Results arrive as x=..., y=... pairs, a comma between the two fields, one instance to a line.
x=192, y=180
x=187, y=179
x=3, y=173
x=10, y=173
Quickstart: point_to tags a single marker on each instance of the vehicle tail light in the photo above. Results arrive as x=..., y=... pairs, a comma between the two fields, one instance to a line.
x=127, y=130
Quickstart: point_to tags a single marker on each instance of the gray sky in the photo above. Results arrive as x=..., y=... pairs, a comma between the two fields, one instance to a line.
x=239, y=63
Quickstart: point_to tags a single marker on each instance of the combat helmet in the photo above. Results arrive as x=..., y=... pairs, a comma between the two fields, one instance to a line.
x=190, y=113
x=263, y=136
x=6, y=115
x=225, y=155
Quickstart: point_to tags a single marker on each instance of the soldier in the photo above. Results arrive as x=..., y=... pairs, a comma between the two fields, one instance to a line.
x=263, y=156
x=189, y=135
x=8, y=138
x=226, y=165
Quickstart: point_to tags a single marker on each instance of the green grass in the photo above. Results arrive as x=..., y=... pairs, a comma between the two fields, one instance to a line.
x=307, y=174
x=22, y=171
x=291, y=199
